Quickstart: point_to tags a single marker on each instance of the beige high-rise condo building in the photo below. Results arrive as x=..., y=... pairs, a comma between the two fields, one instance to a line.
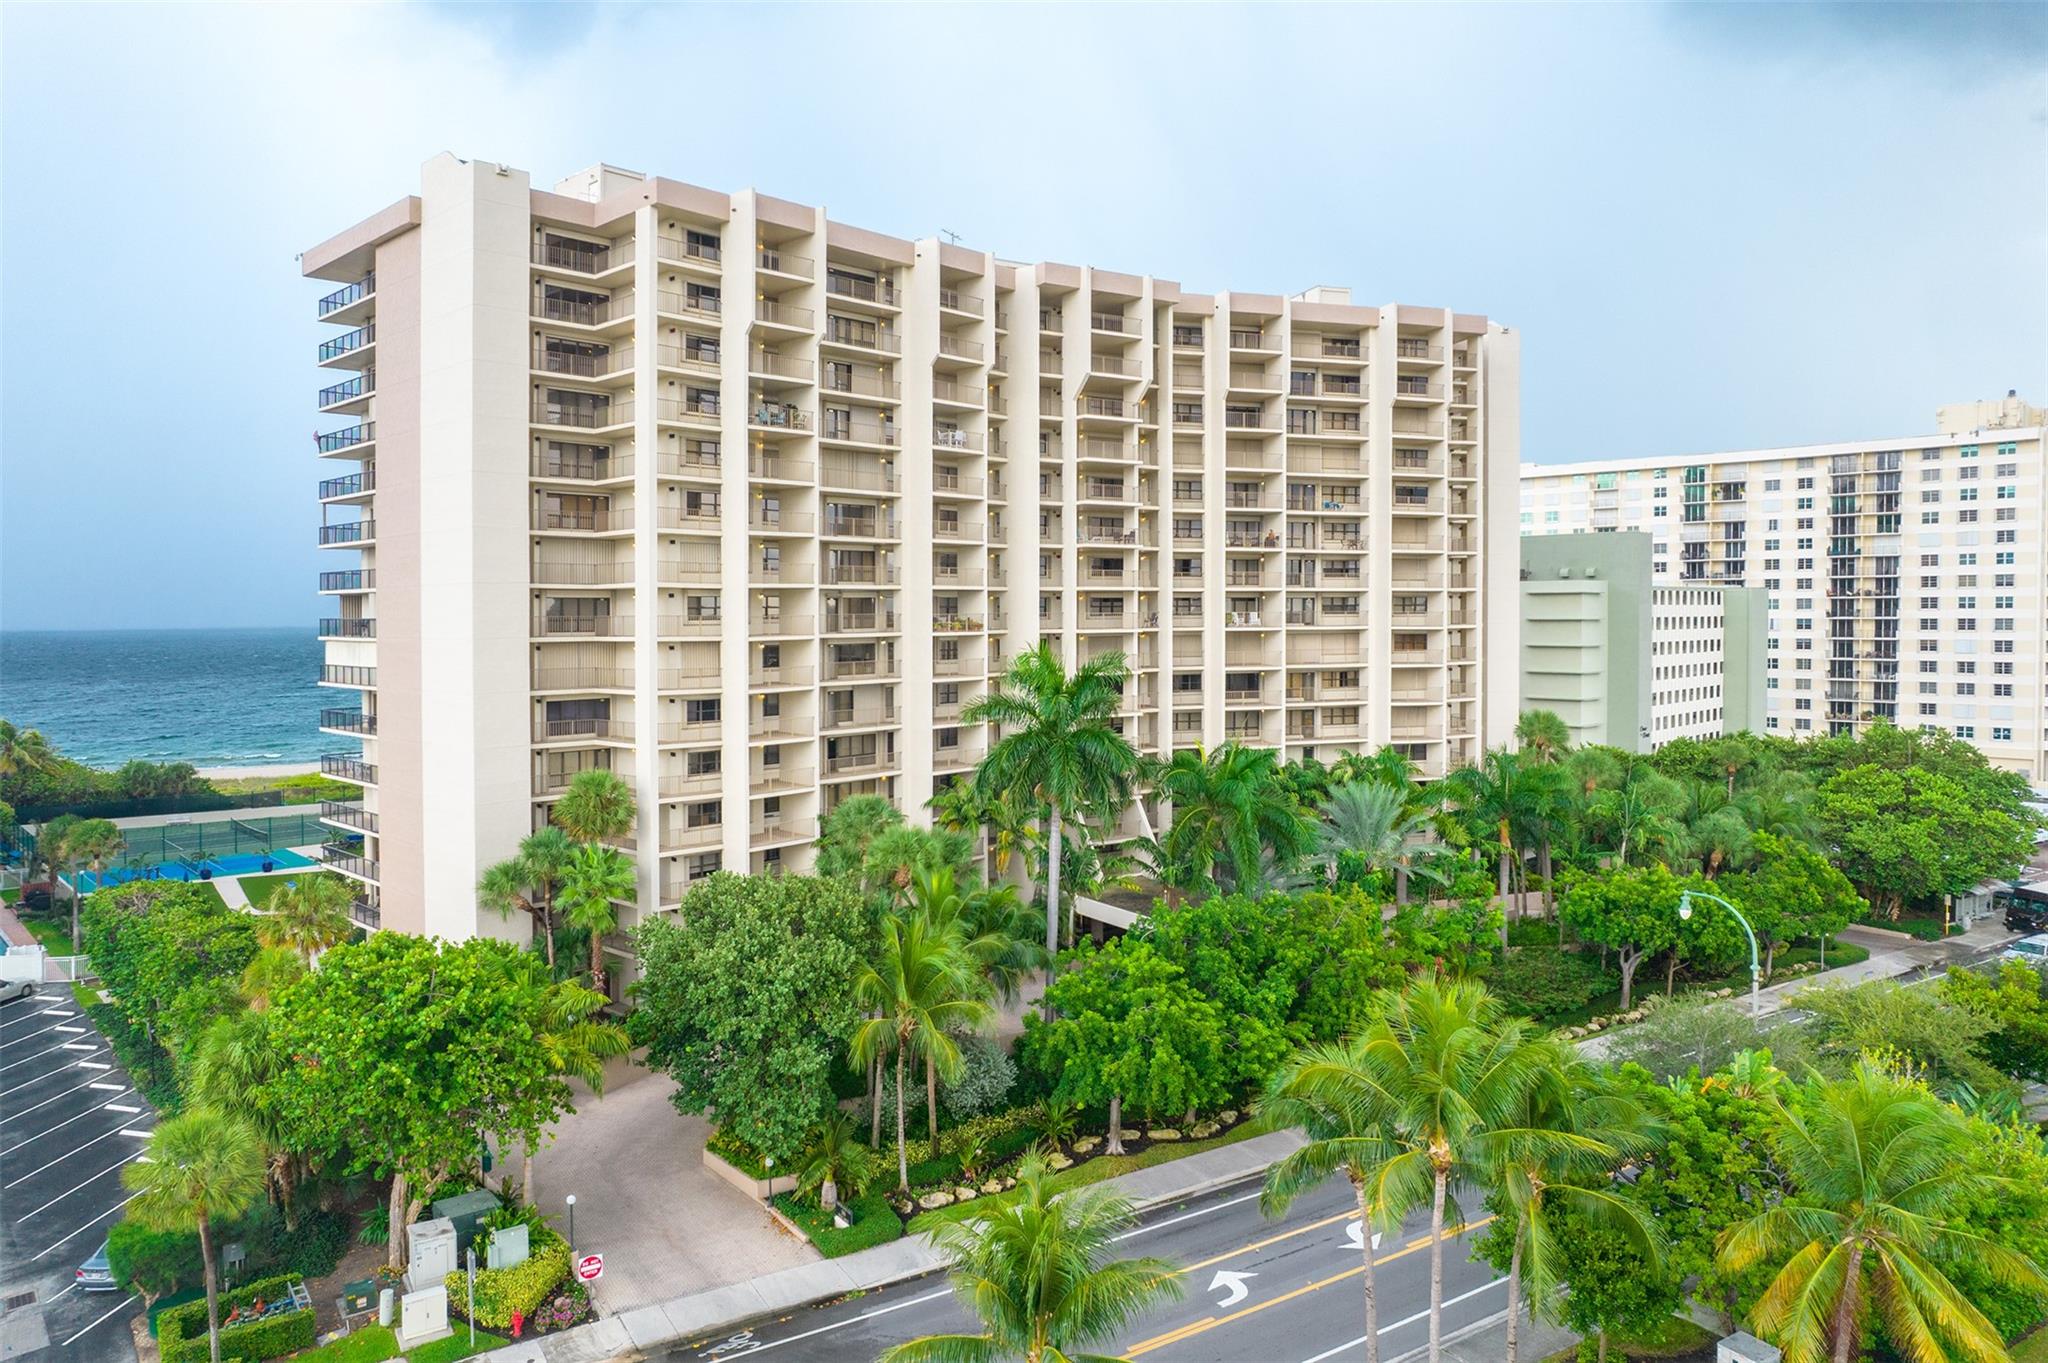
x=1906, y=577
x=745, y=504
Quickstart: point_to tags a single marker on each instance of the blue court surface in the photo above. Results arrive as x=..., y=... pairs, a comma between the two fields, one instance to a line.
x=235, y=864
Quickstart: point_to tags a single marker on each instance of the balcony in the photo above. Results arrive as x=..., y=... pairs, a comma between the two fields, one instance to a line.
x=859, y=527
x=838, y=718
x=352, y=395
x=787, y=675
x=597, y=728
x=859, y=622
x=352, y=533
x=351, y=486
x=343, y=628
x=690, y=626
x=784, y=626
x=349, y=721
x=349, y=580
x=347, y=860
x=348, y=297
x=584, y=520
x=582, y=678
x=552, y=625
x=349, y=814
x=582, y=416
x=351, y=677
x=775, y=260
x=775, y=521
x=350, y=346
x=851, y=430
x=348, y=767
x=784, y=316
x=347, y=438
x=877, y=291
x=955, y=301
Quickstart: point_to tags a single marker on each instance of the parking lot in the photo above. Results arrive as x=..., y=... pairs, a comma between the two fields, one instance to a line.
x=69, y=1123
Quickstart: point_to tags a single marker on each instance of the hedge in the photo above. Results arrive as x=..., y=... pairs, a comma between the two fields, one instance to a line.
x=521, y=1288
x=158, y=1263
x=874, y=1223
x=181, y=1331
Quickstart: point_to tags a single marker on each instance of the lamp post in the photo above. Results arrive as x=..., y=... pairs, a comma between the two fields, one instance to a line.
x=571, y=1200
x=1755, y=970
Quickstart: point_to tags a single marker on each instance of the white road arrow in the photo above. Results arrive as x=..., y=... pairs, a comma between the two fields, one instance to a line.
x=1233, y=1284
x=1355, y=1233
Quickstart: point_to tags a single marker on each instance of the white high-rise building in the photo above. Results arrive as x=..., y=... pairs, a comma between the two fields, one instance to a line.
x=1906, y=577
x=745, y=504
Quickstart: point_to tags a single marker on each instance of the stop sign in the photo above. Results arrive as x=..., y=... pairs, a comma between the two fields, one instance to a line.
x=590, y=1268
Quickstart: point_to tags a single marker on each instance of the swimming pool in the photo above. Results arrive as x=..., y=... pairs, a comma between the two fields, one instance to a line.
x=237, y=864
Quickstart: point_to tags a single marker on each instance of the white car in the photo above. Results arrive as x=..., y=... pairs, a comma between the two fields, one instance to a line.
x=2033, y=950
x=11, y=990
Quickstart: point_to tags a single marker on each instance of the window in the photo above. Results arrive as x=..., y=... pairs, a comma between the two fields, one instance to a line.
x=2000, y=734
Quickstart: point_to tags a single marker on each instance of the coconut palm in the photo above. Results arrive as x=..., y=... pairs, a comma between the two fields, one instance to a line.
x=836, y=1162
x=1061, y=752
x=597, y=806
x=1499, y=799
x=267, y=974
x=595, y=881
x=307, y=915
x=24, y=750
x=1543, y=737
x=231, y=1065
x=962, y=807
x=1037, y=1273
x=1374, y=822
x=527, y=882
x=1558, y=1156
x=1640, y=813
x=845, y=832
x=202, y=1167
x=1781, y=804
x=89, y=843
x=1229, y=805
x=1877, y=1164
x=1000, y=933
x=921, y=987
x=1454, y=1072
x=1331, y=1092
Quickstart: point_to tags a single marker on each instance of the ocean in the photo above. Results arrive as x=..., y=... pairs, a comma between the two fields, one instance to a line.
x=211, y=697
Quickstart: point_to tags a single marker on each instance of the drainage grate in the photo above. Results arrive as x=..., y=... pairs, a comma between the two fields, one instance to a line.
x=17, y=1301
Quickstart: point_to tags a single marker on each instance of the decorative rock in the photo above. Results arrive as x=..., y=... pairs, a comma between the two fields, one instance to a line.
x=1164, y=1133
x=1059, y=1161
x=964, y=1194
x=932, y=1200
x=1009, y=1182
x=1203, y=1130
x=993, y=1186
x=1227, y=1115
x=1086, y=1144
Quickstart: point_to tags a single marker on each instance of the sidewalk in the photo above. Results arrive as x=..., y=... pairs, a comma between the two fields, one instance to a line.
x=703, y=1313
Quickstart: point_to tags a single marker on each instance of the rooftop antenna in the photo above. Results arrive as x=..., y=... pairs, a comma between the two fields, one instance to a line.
x=950, y=235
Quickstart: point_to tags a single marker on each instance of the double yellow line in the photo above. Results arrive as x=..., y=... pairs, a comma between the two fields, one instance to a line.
x=1211, y=1322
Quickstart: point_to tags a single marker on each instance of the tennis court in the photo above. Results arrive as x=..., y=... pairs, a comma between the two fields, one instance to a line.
x=210, y=868
x=204, y=839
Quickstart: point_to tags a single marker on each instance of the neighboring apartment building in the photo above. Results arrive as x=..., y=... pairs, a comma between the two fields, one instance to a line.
x=1629, y=662
x=1906, y=577
x=745, y=504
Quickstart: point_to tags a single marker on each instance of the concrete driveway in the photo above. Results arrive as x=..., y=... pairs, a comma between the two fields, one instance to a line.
x=644, y=1200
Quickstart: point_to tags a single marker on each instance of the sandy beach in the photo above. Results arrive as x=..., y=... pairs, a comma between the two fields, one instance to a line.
x=251, y=773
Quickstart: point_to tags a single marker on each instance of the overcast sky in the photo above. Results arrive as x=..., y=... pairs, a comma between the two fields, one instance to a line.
x=1715, y=227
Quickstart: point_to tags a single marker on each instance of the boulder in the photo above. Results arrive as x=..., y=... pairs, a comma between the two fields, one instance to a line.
x=931, y=1201
x=963, y=1194
x=1164, y=1133
x=1227, y=1115
x=993, y=1186
x=1201, y=1131
x=1059, y=1161
x=1086, y=1144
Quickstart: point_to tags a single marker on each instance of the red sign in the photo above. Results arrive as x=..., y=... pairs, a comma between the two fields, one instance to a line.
x=590, y=1268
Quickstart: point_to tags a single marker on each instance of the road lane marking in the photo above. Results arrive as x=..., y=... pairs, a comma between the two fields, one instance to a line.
x=90, y=1224
x=108, y=1135
x=1406, y=1320
x=1269, y=1240
x=96, y=1324
x=1234, y=1290
x=1208, y=1323
x=111, y=1168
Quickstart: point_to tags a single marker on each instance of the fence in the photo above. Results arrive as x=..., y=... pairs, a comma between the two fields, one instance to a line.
x=201, y=839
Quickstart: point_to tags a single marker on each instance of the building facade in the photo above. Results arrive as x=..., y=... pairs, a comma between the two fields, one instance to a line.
x=1629, y=662
x=1904, y=577
x=745, y=505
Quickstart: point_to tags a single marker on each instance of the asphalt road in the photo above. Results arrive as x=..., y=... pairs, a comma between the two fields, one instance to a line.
x=69, y=1123
x=1287, y=1290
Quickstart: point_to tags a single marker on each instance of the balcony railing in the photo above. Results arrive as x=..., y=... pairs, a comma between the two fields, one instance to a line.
x=342, y=674
x=335, y=627
x=346, y=438
x=784, y=262
x=348, y=341
x=352, y=485
x=349, y=721
x=349, y=814
x=349, y=861
x=961, y=302
x=349, y=293
x=349, y=580
x=348, y=767
x=586, y=727
x=353, y=532
x=362, y=385
x=881, y=291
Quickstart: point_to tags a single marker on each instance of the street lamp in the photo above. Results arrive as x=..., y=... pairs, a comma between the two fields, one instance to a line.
x=1755, y=970
x=571, y=1200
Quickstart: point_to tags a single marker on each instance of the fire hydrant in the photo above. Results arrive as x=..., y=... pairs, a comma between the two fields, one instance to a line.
x=518, y=1320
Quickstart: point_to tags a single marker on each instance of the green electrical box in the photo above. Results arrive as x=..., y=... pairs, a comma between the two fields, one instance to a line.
x=466, y=1211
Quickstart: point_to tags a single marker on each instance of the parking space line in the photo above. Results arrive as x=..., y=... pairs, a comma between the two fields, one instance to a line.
x=111, y=1168
x=117, y=1107
x=96, y=1324
x=90, y=1224
x=31, y=1059
x=93, y=1065
x=65, y=1094
x=30, y=1037
x=69, y=1153
x=31, y=1140
x=79, y=1046
x=31, y=1083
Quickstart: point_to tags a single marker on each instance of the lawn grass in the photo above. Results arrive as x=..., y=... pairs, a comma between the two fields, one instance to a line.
x=52, y=931
x=375, y=1343
x=1676, y=1337
x=1650, y=980
x=2032, y=1349
x=1109, y=1166
x=260, y=888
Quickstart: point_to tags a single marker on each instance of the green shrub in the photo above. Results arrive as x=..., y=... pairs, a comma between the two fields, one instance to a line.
x=739, y=1154
x=1543, y=982
x=521, y=1288
x=147, y=1063
x=159, y=1263
x=181, y=1331
x=155, y=1263
x=984, y=1084
x=944, y=1169
x=874, y=1222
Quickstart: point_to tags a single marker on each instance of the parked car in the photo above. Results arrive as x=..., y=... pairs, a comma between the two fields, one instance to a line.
x=2025, y=906
x=10, y=990
x=2033, y=950
x=96, y=1274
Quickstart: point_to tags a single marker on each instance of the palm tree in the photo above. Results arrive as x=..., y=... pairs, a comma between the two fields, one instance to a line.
x=1878, y=1164
x=596, y=807
x=1331, y=1092
x=595, y=881
x=307, y=915
x=962, y=807
x=835, y=1162
x=1387, y=767
x=1498, y=797
x=1454, y=1072
x=1781, y=804
x=1640, y=812
x=528, y=880
x=996, y=928
x=922, y=987
x=231, y=1065
x=87, y=843
x=573, y=1038
x=1229, y=805
x=267, y=974
x=1543, y=737
x=23, y=750
x=1062, y=750
x=1373, y=821
x=202, y=1167
x=1037, y=1273
x=845, y=832
x=1573, y=1132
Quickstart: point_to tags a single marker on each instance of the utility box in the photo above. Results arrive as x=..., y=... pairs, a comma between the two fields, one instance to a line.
x=430, y=1252
x=423, y=1316
x=1743, y=1347
x=507, y=1249
x=466, y=1211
